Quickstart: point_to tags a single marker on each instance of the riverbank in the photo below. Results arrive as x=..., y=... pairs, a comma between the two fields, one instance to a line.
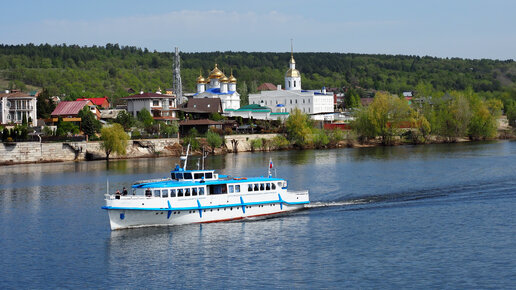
x=33, y=152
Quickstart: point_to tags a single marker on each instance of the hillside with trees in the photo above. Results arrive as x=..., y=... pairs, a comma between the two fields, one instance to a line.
x=73, y=71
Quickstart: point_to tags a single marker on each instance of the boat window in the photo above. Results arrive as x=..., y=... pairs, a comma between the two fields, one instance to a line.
x=180, y=192
x=201, y=190
x=273, y=186
x=256, y=187
x=164, y=193
x=237, y=188
x=173, y=175
x=262, y=186
x=187, y=175
x=198, y=175
x=267, y=186
x=250, y=188
x=194, y=191
x=279, y=184
x=157, y=193
x=172, y=193
x=218, y=189
x=209, y=175
x=179, y=176
x=187, y=192
x=231, y=188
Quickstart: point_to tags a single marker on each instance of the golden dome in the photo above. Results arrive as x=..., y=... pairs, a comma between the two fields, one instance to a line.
x=232, y=79
x=293, y=73
x=292, y=59
x=201, y=79
x=224, y=79
x=216, y=73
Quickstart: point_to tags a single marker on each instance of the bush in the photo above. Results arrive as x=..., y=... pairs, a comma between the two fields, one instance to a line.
x=280, y=142
x=136, y=134
x=320, y=139
x=336, y=135
x=194, y=143
x=47, y=131
x=214, y=140
x=228, y=131
x=256, y=144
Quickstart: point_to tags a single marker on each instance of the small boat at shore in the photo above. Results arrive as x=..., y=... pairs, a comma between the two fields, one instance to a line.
x=200, y=196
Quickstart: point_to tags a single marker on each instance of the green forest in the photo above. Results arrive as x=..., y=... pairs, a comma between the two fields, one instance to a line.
x=93, y=71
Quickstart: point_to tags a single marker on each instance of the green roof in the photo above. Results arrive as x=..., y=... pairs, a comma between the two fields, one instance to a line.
x=280, y=113
x=254, y=107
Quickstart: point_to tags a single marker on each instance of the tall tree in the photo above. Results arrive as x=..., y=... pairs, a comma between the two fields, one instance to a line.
x=114, y=139
x=125, y=119
x=89, y=124
x=44, y=105
x=298, y=126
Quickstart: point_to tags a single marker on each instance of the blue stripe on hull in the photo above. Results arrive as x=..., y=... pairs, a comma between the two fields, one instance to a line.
x=199, y=207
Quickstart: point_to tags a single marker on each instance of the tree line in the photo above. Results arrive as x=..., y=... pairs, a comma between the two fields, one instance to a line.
x=75, y=71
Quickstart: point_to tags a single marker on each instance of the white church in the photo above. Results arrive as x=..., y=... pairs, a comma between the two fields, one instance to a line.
x=311, y=102
x=219, y=86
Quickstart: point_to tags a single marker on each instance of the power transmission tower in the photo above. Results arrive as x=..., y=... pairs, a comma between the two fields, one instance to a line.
x=178, y=86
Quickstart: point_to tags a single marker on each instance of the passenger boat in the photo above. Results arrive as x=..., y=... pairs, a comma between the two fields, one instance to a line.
x=201, y=196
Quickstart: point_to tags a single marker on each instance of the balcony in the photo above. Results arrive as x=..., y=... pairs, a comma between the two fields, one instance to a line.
x=20, y=108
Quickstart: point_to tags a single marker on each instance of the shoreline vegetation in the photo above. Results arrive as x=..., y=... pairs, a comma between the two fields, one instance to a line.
x=451, y=100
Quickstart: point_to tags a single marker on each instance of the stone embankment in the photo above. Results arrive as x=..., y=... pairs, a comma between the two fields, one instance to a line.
x=33, y=152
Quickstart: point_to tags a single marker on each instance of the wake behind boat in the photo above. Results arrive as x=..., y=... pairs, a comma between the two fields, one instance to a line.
x=200, y=196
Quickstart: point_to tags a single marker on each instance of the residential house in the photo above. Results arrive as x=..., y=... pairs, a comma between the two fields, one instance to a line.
x=100, y=102
x=202, y=126
x=69, y=110
x=202, y=108
x=162, y=107
x=14, y=106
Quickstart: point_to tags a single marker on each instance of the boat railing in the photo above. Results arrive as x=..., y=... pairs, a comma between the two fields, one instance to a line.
x=112, y=196
x=151, y=180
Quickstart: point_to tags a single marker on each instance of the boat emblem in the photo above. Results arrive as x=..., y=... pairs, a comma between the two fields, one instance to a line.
x=122, y=216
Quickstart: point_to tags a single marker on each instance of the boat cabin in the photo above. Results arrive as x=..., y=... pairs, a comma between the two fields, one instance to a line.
x=180, y=174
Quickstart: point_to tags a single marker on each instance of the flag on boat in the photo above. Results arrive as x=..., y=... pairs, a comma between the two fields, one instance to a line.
x=270, y=164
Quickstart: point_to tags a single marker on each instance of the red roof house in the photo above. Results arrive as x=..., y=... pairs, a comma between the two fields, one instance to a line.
x=70, y=110
x=101, y=102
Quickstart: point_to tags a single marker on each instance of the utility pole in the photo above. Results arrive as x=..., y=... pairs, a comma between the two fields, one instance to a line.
x=178, y=87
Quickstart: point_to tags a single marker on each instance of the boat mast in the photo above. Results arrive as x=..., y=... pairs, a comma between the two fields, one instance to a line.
x=185, y=157
x=204, y=155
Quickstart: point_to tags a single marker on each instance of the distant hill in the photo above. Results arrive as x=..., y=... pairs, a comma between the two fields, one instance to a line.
x=110, y=70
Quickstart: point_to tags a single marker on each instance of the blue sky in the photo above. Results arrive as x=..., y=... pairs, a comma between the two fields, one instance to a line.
x=453, y=28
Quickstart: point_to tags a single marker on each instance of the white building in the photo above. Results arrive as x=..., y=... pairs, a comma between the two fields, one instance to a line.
x=162, y=107
x=219, y=86
x=307, y=101
x=13, y=106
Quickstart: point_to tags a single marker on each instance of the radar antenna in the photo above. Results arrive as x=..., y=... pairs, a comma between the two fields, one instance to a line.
x=178, y=87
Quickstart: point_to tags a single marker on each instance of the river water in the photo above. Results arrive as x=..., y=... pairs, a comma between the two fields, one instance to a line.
x=433, y=216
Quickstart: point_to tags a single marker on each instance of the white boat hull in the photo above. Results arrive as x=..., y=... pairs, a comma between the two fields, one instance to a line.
x=131, y=212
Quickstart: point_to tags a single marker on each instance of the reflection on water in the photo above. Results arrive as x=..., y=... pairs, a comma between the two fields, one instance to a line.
x=385, y=216
x=207, y=250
